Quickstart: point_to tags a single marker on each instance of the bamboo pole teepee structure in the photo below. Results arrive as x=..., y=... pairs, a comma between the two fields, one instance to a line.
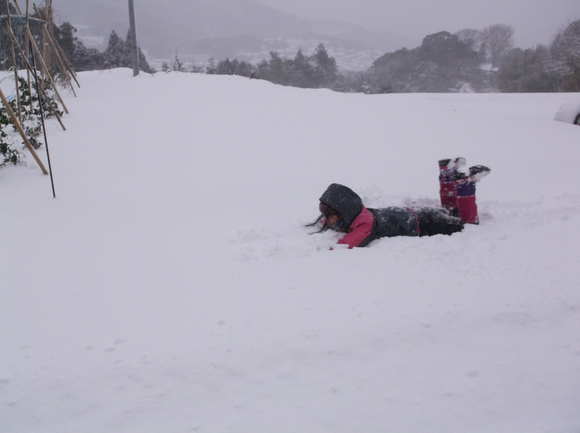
x=32, y=45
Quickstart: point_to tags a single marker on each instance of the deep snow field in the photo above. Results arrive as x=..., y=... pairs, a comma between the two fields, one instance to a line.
x=171, y=286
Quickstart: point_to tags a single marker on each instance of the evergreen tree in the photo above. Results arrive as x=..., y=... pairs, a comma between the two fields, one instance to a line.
x=118, y=53
x=325, y=70
x=80, y=57
x=115, y=54
x=277, y=72
x=66, y=39
x=263, y=70
x=86, y=59
x=318, y=70
x=233, y=67
x=128, y=50
x=301, y=71
x=245, y=69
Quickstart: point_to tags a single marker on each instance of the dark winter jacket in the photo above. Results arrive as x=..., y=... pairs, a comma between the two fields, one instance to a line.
x=362, y=225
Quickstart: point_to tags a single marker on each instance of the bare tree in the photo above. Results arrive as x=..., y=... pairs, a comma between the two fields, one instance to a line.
x=471, y=38
x=498, y=40
x=565, y=57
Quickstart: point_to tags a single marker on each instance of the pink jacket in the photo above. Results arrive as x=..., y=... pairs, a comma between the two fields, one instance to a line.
x=359, y=229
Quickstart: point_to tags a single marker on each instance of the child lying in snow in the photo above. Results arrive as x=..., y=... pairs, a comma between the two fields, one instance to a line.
x=342, y=210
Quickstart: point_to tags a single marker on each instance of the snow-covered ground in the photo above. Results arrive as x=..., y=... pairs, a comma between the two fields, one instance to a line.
x=171, y=285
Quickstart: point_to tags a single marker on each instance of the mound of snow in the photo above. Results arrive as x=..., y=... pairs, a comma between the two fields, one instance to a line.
x=569, y=112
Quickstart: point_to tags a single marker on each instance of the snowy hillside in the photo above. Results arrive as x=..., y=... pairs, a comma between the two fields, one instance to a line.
x=172, y=287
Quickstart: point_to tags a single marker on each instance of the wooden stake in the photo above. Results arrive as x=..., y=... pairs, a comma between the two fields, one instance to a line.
x=21, y=131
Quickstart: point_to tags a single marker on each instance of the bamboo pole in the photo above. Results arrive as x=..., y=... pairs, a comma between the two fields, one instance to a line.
x=63, y=58
x=36, y=20
x=21, y=131
x=66, y=60
x=44, y=67
x=18, y=7
x=42, y=38
x=14, y=65
x=59, y=52
x=59, y=60
x=28, y=69
x=35, y=48
x=43, y=126
x=27, y=56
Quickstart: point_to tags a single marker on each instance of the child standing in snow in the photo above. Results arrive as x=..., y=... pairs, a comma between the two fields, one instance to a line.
x=342, y=210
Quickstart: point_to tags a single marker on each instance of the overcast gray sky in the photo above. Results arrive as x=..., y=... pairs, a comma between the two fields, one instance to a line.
x=534, y=21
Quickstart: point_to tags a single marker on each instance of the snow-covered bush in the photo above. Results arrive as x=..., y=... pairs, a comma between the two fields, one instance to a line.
x=10, y=139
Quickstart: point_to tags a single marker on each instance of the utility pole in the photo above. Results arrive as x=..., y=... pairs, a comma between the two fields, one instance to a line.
x=523, y=73
x=133, y=32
